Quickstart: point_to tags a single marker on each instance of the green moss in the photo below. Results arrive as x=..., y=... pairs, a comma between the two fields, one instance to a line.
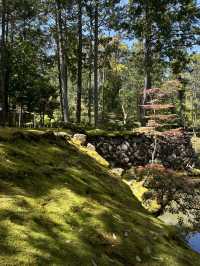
x=139, y=191
x=121, y=133
x=59, y=206
x=100, y=132
x=93, y=154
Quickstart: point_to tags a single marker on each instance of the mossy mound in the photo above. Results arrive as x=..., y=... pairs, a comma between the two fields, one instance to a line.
x=59, y=206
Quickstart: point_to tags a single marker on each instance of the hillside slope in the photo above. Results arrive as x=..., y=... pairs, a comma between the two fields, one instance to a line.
x=58, y=206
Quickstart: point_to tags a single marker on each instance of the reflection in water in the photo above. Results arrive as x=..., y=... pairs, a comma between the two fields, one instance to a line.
x=193, y=240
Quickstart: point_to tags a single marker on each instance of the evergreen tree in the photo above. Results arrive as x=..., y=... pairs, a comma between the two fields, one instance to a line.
x=164, y=27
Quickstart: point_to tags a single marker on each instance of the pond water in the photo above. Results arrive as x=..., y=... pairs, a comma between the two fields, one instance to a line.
x=193, y=240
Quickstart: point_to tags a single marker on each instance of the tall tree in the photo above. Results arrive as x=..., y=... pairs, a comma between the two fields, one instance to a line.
x=62, y=62
x=147, y=47
x=165, y=27
x=96, y=45
x=90, y=55
x=80, y=58
x=3, y=62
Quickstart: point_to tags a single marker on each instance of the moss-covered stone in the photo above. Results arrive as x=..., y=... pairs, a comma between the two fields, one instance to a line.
x=93, y=154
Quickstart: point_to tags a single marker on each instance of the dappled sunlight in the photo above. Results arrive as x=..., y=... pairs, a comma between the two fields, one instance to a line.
x=58, y=204
x=99, y=101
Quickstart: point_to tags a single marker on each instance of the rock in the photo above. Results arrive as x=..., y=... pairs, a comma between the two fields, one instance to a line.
x=125, y=160
x=110, y=148
x=125, y=146
x=80, y=139
x=137, y=154
x=174, y=156
x=123, y=155
x=117, y=171
x=174, y=151
x=91, y=147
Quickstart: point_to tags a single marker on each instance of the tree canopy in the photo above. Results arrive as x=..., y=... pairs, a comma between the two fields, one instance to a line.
x=91, y=62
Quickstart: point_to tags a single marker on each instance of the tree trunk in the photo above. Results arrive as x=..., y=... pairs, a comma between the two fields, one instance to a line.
x=103, y=96
x=7, y=75
x=79, y=76
x=59, y=73
x=20, y=118
x=182, y=106
x=147, y=64
x=90, y=89
x=96, y=40
x=3, y=64
x=147, y=60
x=194, y=117
x=90, y=96
x=125, y=115
x=63, y=65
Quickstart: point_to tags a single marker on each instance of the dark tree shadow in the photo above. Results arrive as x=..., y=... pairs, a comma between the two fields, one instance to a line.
x=60, y=207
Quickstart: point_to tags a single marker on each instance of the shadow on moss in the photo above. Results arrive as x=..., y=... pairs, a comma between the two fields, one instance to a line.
x=60, y=207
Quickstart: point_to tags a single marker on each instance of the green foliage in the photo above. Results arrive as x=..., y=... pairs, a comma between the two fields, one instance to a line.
x=31, y=73
x=29, y=82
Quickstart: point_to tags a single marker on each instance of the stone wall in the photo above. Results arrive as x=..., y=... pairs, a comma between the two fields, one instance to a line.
x=174, y=152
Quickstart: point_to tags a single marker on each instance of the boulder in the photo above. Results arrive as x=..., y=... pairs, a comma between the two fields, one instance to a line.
x=91, y=147
x=125, y=160
x=124, y=146
x=110, y=148
x=79, y=139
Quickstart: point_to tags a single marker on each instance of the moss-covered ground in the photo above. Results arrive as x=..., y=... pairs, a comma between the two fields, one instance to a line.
x=58, y=206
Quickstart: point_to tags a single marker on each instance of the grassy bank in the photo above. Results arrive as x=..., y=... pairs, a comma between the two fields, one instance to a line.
x=58, y=206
